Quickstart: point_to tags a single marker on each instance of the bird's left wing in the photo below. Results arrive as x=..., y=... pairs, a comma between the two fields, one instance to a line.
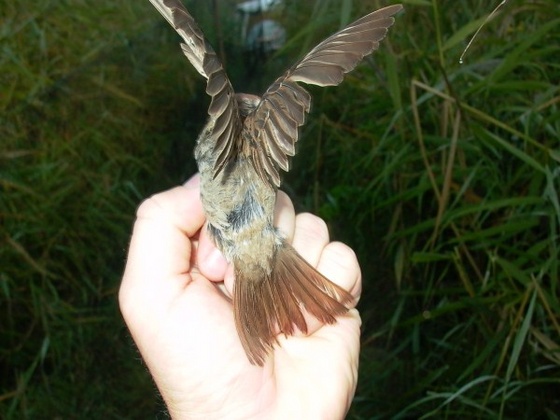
x=223, y=107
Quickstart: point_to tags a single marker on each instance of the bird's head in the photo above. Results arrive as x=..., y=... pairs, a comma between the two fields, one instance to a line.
x=246, y=103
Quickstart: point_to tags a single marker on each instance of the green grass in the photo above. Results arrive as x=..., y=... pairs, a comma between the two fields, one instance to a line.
x=444, y=177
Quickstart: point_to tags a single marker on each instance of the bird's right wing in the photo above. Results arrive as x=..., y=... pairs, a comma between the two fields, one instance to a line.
x=223, y=107
x=283, y=108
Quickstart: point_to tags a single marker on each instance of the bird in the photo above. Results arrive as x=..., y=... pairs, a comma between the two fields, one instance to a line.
x=246, y=143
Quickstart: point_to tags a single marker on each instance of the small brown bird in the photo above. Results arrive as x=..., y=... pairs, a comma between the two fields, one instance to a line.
x=245, y=142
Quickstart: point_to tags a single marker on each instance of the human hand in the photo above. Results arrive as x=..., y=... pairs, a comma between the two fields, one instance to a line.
x=175, y=297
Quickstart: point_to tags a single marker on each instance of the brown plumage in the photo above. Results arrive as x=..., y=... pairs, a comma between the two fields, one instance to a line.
x=245, y=143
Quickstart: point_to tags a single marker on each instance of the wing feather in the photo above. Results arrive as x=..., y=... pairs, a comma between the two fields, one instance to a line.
x=223, y=107
x=283, y=132
x=285, y=104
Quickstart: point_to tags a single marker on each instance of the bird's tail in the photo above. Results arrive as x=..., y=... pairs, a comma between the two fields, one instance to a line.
x=272, y=304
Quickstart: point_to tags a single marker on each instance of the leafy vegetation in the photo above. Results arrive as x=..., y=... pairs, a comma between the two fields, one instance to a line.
x=444, y=177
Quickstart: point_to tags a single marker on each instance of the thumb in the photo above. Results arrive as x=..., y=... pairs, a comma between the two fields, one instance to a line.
x=160, y=251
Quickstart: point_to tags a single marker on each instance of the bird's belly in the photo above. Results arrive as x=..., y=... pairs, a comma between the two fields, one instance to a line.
x=240, y=210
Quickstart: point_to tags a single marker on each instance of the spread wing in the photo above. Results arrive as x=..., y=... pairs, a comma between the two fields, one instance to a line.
x=223, y=107
x=285, y=104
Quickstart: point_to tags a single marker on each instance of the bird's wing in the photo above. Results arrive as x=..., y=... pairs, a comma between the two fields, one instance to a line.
x=223, y=107
x=273, y=126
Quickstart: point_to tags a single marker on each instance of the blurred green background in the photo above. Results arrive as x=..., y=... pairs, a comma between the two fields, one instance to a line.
x=444, y=177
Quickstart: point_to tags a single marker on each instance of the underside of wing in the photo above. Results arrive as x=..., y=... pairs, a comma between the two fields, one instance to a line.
x=285, y=104
x=223, y=107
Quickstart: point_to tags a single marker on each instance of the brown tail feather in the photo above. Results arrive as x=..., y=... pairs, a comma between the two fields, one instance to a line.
x=272, y=304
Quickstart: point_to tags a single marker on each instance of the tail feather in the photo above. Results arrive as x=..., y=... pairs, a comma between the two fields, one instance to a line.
x=275, y=303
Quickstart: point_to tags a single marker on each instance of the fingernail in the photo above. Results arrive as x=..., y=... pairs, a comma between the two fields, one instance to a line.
x=193, y=182
x=213, y=265
x=215, y=258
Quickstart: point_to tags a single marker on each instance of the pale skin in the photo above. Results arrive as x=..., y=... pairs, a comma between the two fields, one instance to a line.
x=175, y=299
